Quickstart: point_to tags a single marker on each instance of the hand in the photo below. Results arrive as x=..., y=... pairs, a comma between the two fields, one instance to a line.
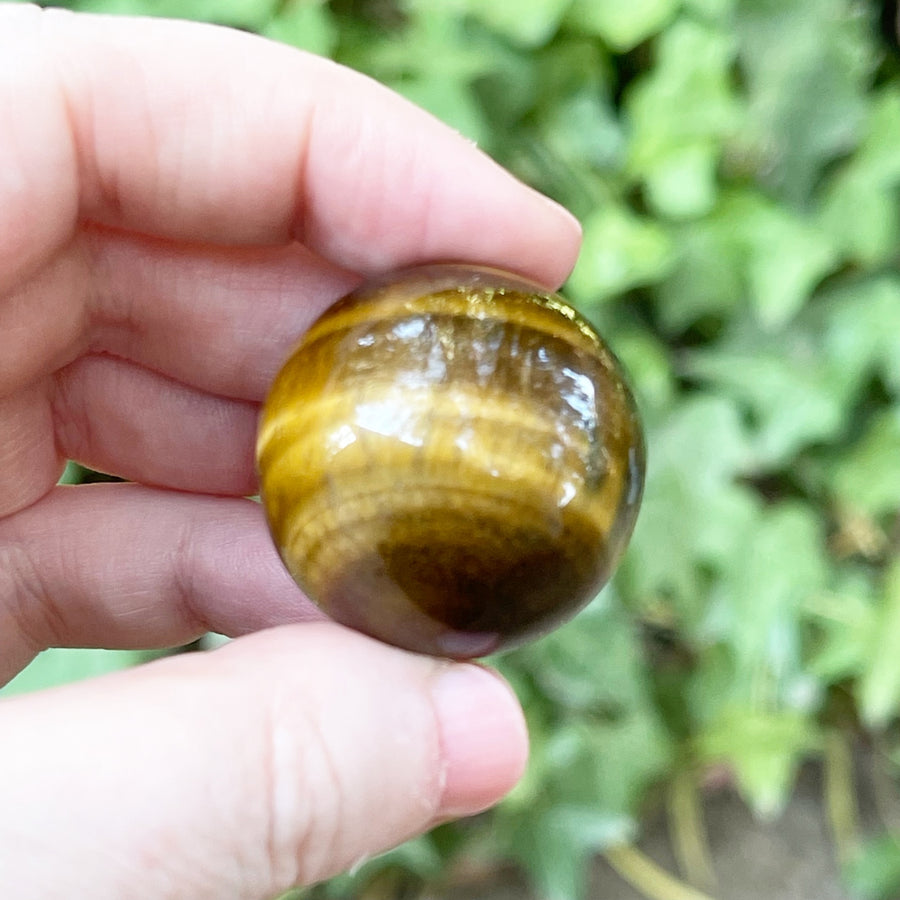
x=177, y=203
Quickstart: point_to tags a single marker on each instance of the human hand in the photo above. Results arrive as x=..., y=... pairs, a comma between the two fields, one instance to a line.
x=177, y=203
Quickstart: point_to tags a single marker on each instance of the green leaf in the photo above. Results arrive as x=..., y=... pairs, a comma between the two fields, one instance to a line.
x=845, y=619
x=647, y=362
x=807, y=65
x=530, y=23
x=683, y=182
x=860, y=214
x=72, y=474
x=251, y=14
x=434, y=43
x=451, y=100
x=620, y=251
x=764, y=748
x=593, y=664
x=583, y=128
x=795, y=394
x=877, y=157
x=419, y=856
x=679, y=112
x=556, y=865
x=860, y=207
x=758, y=600
x=861, y=330
x=874, y=873
x=867, y=478
x=879, y=689
x=306, y=24
x=747, y=248
x=603, y=742
x=622, y=25
x=786, y=256
x=693, y=512
x=713, y=10
x=707, y=274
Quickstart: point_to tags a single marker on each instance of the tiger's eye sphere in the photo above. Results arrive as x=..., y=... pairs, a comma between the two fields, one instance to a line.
x=451, y=461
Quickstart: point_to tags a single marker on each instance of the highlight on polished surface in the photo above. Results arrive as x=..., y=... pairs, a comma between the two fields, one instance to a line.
x=451, y=461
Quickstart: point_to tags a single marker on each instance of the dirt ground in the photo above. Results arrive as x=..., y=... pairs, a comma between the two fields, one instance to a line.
x=792, y=858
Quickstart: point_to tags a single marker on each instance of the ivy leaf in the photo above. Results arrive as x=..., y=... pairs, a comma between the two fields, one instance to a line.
x=753, y=696
x=707, y=273
x=557, y=866
x=879, y=688
x=861, y=330
x=860, y=206
x=451, y=100
x=605, y=741
x=861, y=215
x=874, y=872
x=620, y=250
x=693, y=513
x=252, y=14
x=748, y=248
x=807, y=65
x=795, y=394
x=867, y=478
x=435, y=43
x=759, y=598
x=304, y=24
x=583, y=128
x=530, y=23
x=683, y=183
x=786, y=256
x=764, y=748
x=877, y=154
x=679, y=113
x=622, y=25
x=713, y=10
x=646, y=359
x=593, y=664
x=845, y=620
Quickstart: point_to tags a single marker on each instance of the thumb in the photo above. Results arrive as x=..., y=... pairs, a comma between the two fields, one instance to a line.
x=279, y=760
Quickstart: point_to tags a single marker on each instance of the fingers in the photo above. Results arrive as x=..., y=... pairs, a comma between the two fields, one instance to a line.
x=30, y=462
x=203, y=323
x=209, y=135
x=281, y=759
x=119, y=565
x=38, y=163
x=219, y=319
x=117, y=417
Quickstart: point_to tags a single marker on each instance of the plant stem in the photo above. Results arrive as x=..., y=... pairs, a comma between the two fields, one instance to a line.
x=647, y=877
x=840, y=799
x=688, y=830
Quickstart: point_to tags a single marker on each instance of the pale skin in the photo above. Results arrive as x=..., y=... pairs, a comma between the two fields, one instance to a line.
x=177, y=203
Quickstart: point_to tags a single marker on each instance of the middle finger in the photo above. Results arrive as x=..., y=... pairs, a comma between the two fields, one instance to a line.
x=220, y=319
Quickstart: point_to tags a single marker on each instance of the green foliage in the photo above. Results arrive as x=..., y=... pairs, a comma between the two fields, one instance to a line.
x=62, y=666
x=875, y=873
x=735, y=165
x=598, y=743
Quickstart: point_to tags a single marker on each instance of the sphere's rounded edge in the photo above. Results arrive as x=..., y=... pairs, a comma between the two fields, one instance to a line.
x=344, y=602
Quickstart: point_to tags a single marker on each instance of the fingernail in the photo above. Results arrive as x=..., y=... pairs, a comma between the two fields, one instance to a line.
x=483, y=738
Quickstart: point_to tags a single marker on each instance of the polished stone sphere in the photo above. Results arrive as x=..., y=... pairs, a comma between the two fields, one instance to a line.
x=451, y=461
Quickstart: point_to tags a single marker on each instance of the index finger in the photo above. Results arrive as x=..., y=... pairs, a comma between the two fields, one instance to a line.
x=198, y=133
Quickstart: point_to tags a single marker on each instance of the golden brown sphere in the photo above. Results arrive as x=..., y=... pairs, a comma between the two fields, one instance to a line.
x=451, y=461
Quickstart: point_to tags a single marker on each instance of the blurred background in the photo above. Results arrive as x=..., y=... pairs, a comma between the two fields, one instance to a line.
x=722, y=722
